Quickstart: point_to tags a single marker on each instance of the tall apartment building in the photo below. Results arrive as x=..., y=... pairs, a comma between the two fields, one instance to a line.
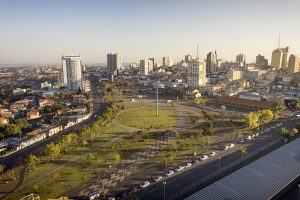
x=294, y=64
x=235, y=74
x=211, y=62
x=261, y=61
x=114, y=62
x=146, y=66
x=196, y=73
x=72, y=72
x=241, y=58
x=279, y=58
x=167, y=61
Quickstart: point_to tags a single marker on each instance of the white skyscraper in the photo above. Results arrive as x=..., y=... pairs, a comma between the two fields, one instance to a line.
x=146, y=66
x=167, y=61
x=196, y=73
x=72, y=72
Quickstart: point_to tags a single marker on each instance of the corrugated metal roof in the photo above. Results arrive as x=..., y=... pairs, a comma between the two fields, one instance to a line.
x=262, y=179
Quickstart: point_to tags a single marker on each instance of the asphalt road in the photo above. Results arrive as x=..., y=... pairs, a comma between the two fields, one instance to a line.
x=182, y=180
x=15, y=158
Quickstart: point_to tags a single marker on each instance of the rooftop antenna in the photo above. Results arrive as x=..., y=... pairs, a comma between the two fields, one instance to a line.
x=279, y=40
x=197, y=49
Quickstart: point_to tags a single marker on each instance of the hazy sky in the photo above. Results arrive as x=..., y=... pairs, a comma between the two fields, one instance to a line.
x=39, y=31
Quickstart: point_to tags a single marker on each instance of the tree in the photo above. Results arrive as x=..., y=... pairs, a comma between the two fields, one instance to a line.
x=252, y=120
x=200, y=100
x=12, y=174
x=293, y=132
x=265, y=116
x=278, y=106
x=1, y=169
x=224, y=111
x=22, y=123
x=117, y=158
x=298, y=105
x=283, y=132
x=53, y=150
x=32, y=161
x=243, y=150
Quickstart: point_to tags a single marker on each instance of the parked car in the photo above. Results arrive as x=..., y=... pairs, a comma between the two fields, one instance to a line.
x=179, y=168
x=144, y=184
x=187, y=165
x=94, y=195
x=212, y=153
x=248, y=137
x=169, y=173
x=203, y=157
x=157, y=178
x=231, y=145
x=241, y=140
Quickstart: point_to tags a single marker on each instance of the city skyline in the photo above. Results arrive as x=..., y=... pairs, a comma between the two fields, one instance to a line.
x=40, y=31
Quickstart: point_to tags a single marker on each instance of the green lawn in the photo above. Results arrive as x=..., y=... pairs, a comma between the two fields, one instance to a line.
x=146, y=118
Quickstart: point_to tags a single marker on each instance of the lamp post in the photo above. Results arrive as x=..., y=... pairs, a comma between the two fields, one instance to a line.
x=219, y=165
x=164, y=182
x=157, y=98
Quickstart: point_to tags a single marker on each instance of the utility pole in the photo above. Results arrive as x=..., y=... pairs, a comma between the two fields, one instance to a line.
x=157, y=98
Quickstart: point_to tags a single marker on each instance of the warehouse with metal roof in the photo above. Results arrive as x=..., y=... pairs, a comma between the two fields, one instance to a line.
x=261, y=179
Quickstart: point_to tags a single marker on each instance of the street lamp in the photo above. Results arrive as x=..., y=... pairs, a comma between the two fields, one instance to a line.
x=219, y=165
x=164, y=182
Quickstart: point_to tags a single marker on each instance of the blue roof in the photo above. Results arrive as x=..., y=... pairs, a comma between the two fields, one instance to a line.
x=261, y=179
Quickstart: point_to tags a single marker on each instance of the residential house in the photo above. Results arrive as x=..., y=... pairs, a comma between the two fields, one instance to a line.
x=46, y=102
x=33, y=114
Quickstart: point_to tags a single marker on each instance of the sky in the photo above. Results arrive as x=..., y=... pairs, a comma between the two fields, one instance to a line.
x=40, y=31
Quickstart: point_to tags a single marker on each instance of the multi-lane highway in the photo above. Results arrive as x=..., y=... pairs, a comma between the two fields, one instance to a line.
x=176, y=183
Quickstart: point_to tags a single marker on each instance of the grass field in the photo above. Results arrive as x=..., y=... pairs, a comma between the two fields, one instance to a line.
x=146, y=118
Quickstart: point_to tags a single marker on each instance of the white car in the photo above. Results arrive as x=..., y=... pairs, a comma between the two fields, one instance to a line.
x=253, y=135
x=179, y=168
x=169, y=173
x=157, y=178
x=231, y=145
x=241, y=140
x=226, y=147
x=203, y=157
x=212, y=153
x=187, y=165
x=248, y=137
x=94, y=195
x=257, y=134
x=144, y=184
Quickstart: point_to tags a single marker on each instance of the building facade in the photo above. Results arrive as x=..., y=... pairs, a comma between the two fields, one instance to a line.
x=167, y=61
x=294, y=64
x=146, y=66
x=241, y=58
x=196, y=73
x=72, y=72
x=114, y=62
x=261, y=61
x=279, y=58
x=211, y=62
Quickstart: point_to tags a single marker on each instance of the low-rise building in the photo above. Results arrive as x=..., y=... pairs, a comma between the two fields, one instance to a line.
x=4, y=120
x=33, y=114
x=46, y=102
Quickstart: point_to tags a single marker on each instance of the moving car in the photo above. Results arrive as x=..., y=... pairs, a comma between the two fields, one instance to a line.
x=187, y=165
x=257, y=134
x=212, y=153
x=169, y=173
x=94, y=195
x=157, y=178
x=253, y=135
x=226, y=147
x=248, y=137
x=231, y=145
x=179, y=168
x=144, y=184
x=203, y=157
x=241, y=140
